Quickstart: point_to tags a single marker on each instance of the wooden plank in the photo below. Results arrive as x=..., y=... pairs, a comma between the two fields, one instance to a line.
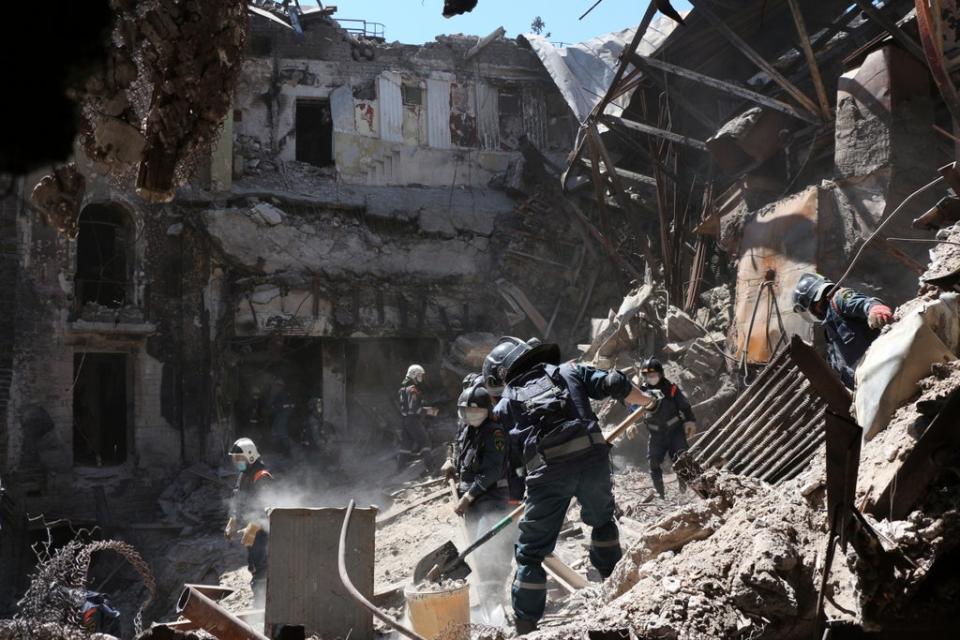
x=727, y=87
x=676, y=97
x=741, y=45
x=655, y=131
x=569, y=579
x=892, y=28
x=811, y=60
x=393, y=515
x=629, y=176
x=521, y=299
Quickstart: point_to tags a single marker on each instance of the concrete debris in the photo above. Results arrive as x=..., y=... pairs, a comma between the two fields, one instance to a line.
x=681, y=327
x=267, y=214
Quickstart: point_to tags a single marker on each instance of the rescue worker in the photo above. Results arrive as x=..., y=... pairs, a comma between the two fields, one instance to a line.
x=412, y=410
x=851, y=320
x=479, y=464
x=669, y=426
x=546, y=407
x=247, y=508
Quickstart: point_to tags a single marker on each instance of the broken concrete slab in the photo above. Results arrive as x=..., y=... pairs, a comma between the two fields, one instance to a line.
x=681, y=327
x=268, y=213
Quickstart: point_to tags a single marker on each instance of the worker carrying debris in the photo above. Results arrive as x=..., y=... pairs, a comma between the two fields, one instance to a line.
x=851, y=320
x=546, y=407
x=479, y=464
x=669, y=426
x=412, y=411
x=247, y=506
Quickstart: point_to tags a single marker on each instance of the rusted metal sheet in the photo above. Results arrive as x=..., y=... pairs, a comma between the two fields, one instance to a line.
x=933, y=18
x=778, y=245
x=844, y=439
x=438, y=113
x=302, y=587
x=391, y=106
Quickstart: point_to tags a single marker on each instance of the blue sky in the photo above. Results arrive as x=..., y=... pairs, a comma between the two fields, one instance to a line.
x=417, y=21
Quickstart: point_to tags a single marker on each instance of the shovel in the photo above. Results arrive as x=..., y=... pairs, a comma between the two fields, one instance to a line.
x=446, y=562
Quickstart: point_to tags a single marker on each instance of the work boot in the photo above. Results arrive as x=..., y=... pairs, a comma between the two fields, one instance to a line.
x=525, y=626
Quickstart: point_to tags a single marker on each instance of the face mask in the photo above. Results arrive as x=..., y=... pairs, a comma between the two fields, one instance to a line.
x=473, y=416
x=241, y=465
x=653, y=380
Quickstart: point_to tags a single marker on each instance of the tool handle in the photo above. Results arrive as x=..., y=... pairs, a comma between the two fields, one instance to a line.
x=497, y=528
x=628, y=422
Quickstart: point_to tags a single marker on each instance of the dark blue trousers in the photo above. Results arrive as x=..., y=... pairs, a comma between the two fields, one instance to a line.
x=670, y=440
x=546, y=507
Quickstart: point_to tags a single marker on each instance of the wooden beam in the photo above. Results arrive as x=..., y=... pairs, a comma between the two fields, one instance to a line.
x=891, y=27
x=811, y=60
x=726, y=87
x=654, y=131
x=674, y=96
x=629, y=176
x=741, y=45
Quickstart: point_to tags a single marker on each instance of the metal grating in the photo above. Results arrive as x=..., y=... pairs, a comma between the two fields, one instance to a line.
x=772, y=430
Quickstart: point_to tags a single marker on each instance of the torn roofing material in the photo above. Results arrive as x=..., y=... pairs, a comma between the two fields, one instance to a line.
x=583, y=72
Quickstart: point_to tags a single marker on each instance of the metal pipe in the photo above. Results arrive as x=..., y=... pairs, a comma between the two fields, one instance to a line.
x=345, y=578
x=787, y=438
x=758, y=446
x=711, y=438
x=213, y=618
x=745, y=427
x=796, y=463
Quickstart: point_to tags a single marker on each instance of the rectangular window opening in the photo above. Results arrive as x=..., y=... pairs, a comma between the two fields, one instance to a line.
x=412, y=95
x=314, y=124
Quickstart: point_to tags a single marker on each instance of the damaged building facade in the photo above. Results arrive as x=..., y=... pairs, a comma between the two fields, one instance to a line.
x=361, y=210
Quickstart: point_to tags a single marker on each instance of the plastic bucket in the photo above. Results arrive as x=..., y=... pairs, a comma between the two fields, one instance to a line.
x=431, y=612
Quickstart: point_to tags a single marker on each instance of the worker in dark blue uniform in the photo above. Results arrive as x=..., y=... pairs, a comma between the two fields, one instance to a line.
x=479, y=464
x=669, y=426
x=247, y=507
x=412, y=412
x=546, y=406
x=851, y=320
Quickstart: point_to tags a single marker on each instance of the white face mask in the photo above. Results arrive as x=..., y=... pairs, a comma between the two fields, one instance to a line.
x=653, y=379
x=473, y=416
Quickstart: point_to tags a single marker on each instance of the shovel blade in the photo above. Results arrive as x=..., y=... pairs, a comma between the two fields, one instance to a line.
x=439, y=557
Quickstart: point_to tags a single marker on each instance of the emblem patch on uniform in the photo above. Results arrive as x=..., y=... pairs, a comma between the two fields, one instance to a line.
x=499, y=442
x=845, y=294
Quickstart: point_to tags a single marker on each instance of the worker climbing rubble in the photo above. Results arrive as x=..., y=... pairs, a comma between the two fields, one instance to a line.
x=480, y=466
x=669, y=426
x=546, y=407
x=851, y=320
x=247, y=507
x=412, y=412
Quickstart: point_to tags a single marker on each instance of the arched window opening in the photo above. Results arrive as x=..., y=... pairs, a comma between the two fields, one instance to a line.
x=104, y=256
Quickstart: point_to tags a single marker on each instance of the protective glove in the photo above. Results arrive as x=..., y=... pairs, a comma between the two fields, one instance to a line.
x=231, y=529
x=689, y=428
x=880, y=315
x=249, y=534
x=631, y=432
x=448, y=469
x=464, y=504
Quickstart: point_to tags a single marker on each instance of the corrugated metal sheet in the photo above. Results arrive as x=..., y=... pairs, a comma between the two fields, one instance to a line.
x=782, y=240
x=391, y=106
x=488, y=116
x=583, y=72
x=438, y=113
x=303, y=584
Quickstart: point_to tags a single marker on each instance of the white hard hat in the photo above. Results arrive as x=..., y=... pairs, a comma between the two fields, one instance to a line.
x=416, y=372
x=245, y=447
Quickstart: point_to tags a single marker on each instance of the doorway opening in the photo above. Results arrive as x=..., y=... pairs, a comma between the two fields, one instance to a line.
x=100, y=409
x=314, y=132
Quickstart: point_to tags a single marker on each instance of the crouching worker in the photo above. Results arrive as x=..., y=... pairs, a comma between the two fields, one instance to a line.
x=851, y=320
x=546, y=406
x=479, y=466
x=247, y=509
x=669, y=426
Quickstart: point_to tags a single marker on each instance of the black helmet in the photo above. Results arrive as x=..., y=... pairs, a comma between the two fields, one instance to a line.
x=810, y=289
x=513, y=356
x=651, y=365
x=498, y=362
x=475, y=397
x=473, y=405
x=470, y=380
